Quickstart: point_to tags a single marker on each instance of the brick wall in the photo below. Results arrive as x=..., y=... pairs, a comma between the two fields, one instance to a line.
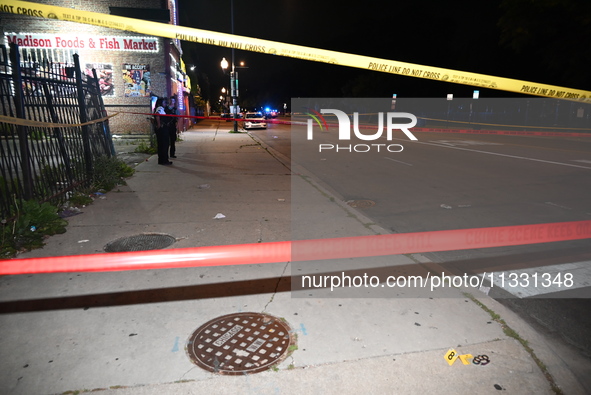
x=124, y=122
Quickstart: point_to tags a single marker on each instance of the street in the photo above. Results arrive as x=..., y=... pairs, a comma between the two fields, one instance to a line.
x=460, y=181
x=117, y=329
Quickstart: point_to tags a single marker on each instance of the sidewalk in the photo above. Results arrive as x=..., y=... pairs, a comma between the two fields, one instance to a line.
x=126, y=332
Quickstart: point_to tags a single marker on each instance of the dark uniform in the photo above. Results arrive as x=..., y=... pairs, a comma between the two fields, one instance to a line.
x=162, y=132
x=171, y=124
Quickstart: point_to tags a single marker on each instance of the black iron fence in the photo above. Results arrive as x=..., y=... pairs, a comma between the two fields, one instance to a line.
x=508, y=114
x=52, y=126
x=531, y=114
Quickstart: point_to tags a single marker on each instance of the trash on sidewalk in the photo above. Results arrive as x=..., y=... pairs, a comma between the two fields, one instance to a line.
x=485, y=290
x=219, y=216
x=69, y=212
x=99, y=195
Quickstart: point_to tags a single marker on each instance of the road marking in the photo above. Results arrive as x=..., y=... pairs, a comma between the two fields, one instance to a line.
x=549, y=279
x=504, y=155
x=462, y=143
x=398, y=161
x=557, y=205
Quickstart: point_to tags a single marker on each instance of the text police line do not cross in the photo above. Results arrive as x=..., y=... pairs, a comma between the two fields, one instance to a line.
x=345, y=131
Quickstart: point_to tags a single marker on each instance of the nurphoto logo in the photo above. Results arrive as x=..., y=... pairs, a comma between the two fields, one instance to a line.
x=390, y=119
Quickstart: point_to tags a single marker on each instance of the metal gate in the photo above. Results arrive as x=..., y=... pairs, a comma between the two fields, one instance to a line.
x=53, y=125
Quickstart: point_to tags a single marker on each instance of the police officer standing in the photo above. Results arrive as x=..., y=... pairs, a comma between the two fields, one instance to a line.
x=162, y=133
x=171, y=109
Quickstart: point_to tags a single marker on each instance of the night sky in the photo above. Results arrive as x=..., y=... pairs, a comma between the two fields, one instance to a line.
x=545, y=41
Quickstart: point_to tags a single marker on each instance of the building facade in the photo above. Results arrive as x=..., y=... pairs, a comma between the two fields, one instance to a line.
x=133, y=69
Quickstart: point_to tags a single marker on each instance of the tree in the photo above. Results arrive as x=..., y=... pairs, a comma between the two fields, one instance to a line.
x=552, y=36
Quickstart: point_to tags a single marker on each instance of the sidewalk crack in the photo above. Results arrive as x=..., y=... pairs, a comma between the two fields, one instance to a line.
x=182, y=379
x=276, y=288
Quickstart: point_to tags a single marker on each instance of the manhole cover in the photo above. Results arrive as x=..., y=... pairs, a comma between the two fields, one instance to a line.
x=149, y=241
x=361, y=203
x=240, y=343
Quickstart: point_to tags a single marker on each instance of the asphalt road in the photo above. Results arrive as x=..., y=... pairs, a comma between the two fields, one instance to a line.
x=459, y=181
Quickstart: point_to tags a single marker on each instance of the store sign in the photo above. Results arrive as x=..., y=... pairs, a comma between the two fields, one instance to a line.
x=65, y=41
x=136, y=78
x=104, y=73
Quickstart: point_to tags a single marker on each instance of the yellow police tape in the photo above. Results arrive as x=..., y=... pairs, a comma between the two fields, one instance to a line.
x=39, y=124
x=290, y=50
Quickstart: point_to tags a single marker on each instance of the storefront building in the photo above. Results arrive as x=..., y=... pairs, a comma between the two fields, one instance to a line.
x=134, y=69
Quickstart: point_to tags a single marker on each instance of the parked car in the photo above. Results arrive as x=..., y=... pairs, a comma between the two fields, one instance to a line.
x=271, y=113
x=230, y=117
x=254, y=120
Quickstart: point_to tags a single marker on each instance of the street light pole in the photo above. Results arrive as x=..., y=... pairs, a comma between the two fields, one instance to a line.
x=233, y=91
x=224, y=100
x=234, y=94
x=233, y=75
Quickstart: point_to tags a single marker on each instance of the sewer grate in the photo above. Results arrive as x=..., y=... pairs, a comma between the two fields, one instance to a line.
x=240, y=343
x=143, y=242
x=361, y=203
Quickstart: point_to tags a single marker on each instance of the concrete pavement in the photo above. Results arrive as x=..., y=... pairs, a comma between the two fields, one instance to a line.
x=126, y=332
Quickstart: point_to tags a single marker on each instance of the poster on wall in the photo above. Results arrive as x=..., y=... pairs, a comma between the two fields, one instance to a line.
x=136, y=78
x=104, y=73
